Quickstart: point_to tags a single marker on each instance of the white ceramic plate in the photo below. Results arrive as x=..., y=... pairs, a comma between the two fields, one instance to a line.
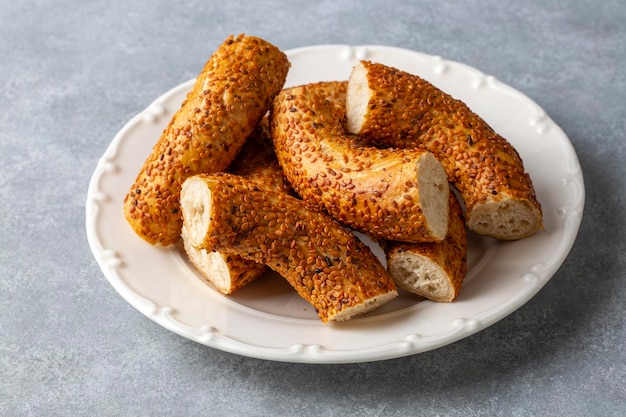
x=267, y=319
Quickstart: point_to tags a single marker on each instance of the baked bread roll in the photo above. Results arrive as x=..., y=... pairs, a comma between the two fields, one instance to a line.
x=395, y=194
x=257, y=162
x=394, y=108
x=434, y=270
x=326, y=264
x=230, y=96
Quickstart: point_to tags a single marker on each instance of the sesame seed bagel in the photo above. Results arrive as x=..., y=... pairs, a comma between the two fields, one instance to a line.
x=434, y=270
x=326, y=264
x=395, y=108
x=230, y=96
x=395, y=194
x=257, y=162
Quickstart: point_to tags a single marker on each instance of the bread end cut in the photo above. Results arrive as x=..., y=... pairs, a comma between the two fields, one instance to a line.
x=227, y=273
x=211, y=265
x=419, y=275
x=365, y=307
x=507, y=219
x=357, y=99
x=195, y=203
x=434, y=190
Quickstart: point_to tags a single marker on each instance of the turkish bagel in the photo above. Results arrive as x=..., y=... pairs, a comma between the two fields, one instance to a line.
x=395, y=194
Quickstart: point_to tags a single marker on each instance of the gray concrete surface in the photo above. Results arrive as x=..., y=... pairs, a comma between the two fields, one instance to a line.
x=73, y=73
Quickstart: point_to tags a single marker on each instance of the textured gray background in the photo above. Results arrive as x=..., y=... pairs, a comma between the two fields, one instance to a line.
x=73, y=73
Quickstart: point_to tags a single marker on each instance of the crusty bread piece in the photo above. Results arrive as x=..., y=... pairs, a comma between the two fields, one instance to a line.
x=434, y=270
x=396, y=194
x=394, y=108
x=326, y=264
x=230, y=96
x=257, y=162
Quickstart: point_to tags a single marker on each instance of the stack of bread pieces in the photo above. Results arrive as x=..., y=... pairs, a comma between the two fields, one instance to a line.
x=250, y=175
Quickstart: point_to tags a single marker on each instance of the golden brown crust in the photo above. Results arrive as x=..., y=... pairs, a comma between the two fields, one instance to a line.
x=371, y=190
x=230, y=96
x=407, y=111
x=448, y=258
x=326, y=264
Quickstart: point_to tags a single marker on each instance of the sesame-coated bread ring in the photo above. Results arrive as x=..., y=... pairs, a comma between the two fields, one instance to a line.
x=395, y=108
x=230, y=96
x=399, y=194
x=434, y=270
x=326, y=264
x=257, y=162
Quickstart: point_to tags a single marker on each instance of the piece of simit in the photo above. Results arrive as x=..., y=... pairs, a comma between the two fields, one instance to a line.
x=395, y=194
x=398, y=109
x=230, y=96
x=326, y=264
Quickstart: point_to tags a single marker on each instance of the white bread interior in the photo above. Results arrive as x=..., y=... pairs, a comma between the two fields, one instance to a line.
x=365, y=307
x=212, y=265
x=196, y=206
x=420, y=275
x=504, y=219
x=195, y=203
x=432, y=183
x=357, y=99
